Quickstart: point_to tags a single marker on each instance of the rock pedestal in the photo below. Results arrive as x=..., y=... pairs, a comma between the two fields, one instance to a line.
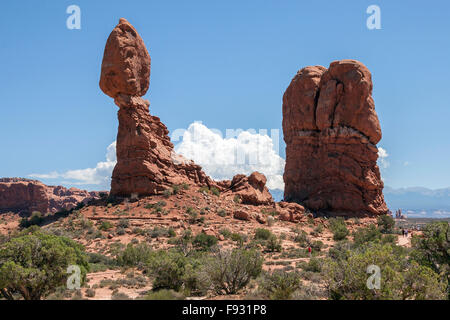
x=331, y=130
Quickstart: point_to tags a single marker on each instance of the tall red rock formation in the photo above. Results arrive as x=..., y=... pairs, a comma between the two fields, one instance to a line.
x=331, y=130
x=146, y=162
x=24, y=195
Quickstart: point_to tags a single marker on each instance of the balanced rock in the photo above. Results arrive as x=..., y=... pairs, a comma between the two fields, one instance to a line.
x=126, y=63
x=146, y=161
x=331, y=130
x=25, y=195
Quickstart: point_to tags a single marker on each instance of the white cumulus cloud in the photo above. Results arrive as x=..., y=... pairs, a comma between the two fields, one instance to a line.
x=220, y=157
x=100, y=175
x=238, y=152
x=382, y=158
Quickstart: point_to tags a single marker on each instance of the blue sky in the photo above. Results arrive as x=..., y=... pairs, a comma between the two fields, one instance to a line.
x=225, y=63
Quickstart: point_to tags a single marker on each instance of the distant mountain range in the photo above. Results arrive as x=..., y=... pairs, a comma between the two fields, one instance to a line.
x=415, y=202
x=419, y=202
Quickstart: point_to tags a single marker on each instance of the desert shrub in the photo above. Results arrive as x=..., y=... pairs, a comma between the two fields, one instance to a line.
x=316, y=245
x=239, y=238
x=215, y=191
x=171, y=232
x=34, y=263
x=194, y=281
x=134, y=255
x=433, y=250
x=313, y=265
x=149, y=206
x=222, y=213
x=120, y=231
x=225, y=232
x=279, y=285
x=90, y=293
x=164, y=294
x=36, y=218
x=339, y=228
x=175, y=189
x=368, y=234
x=120, y=296
x=105, y=226
x=301, y=238
x=167, y=193
x=262, y=234
x=184, y=242
x=317, y=230
x=193, y=217
x=230, y=271
x=204, y=241
x=385, y=223
x=273, y=244
x=346, y=278
x=123, y=223
x=158, y=232
x=100, y=262
x=161, y=204
x=168, y=269
x=185, y=186
x=389, y=238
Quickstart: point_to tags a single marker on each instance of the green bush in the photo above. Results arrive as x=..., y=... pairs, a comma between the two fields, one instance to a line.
x=204, y=241
x=215, y=191
x=301, y=238
x=34, y=263
x=120, y=296
x=262, y=234
x=273, y=244
x=365, y=235
x=99, y=262
x=226, y=233
x=123, y=223
x=105, y=226
x=339, y=228
x=175, y=189
x=389, y=238
x=433, y=250
x=346, y=277
x=222, y=213
x=134, y=255
x=314, y=265
x=171, y=233
x=385, y=223
x=239, y=238
x=279, y=285
x=164, y=294
x=185, y=186
x=230, y=271
x=36, y=218
x=168, y=269
x=90, y=293
x=167, y=193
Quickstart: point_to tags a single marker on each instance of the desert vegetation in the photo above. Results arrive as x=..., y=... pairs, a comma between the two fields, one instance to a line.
x=328, y=260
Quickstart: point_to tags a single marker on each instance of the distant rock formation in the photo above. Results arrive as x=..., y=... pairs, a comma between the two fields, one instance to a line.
x=331, y=130
x=25, y=195
x=146, y=162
